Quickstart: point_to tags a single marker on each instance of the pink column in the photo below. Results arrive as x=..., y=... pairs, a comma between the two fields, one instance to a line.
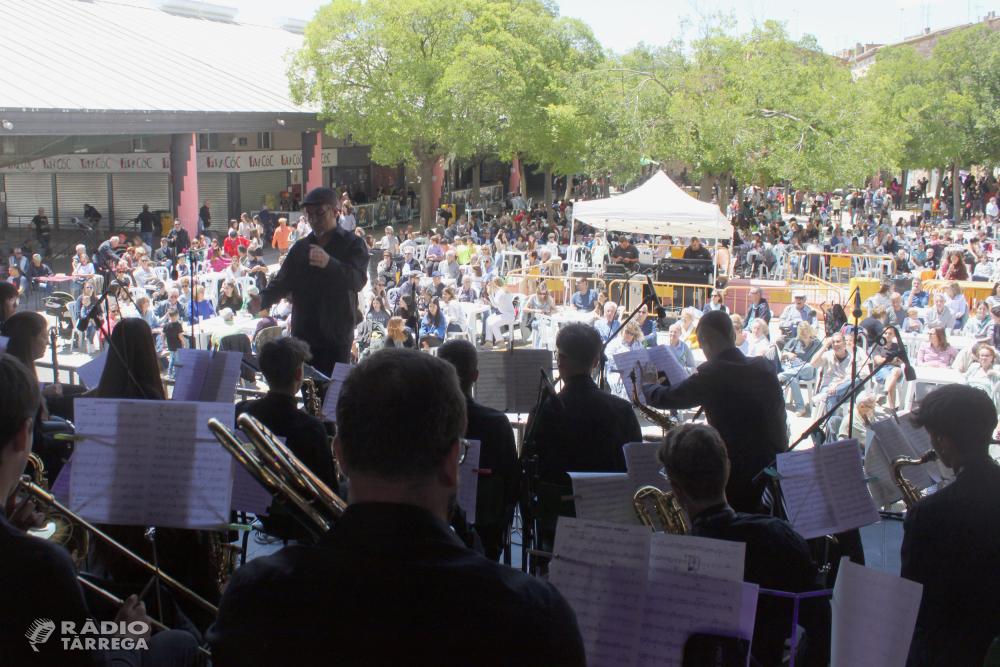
x=515, y=176
x=437, y=184
x=184, y=177
x=312, y=161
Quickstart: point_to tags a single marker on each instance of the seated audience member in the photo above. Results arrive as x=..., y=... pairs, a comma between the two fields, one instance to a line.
x=834, y=362
x=912, y=323
x=433, y=325
x=939, y=315
x=200, y=308
x=936, y=352
x=681, y=349
x=891, y=374
x=497, y=493
x=864, y=407
x=759, y=340
x=697, y=465
x=982, y=372
x=607, y=325
x=584, y=298
x=689, y=325
x=629, y=339
x=980, y=325
x=398, y=334
x=391, y=558
x=468, y=293
x=795, y=363
x=230, y=297
x=951, y=538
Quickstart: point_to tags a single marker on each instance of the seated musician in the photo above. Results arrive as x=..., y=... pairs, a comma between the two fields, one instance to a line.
x=951, y=539
x=586, y=428
x=281, y=361
x=390, y=583
x=38, y=579
x=498, y=451
x=696, y=462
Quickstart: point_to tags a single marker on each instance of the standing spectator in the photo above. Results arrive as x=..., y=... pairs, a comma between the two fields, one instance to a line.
x=145, y=221
x=204, y=217
x=43, y=232
x=92, y=215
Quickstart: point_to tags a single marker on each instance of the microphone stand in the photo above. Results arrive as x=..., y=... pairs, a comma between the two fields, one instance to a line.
x=648, y=300
x=529, y=475
x=854, y=357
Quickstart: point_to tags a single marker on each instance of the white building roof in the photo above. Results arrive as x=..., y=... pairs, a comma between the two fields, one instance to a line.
x=102, y=56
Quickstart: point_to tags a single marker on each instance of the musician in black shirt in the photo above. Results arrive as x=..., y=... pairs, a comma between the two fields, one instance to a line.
x=390, y=583
x=696, y=463
x=696, y=250
x=43, y=231
x=626, y=254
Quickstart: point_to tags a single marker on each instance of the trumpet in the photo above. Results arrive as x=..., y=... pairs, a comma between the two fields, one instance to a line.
x=672, y=520
x=665, y=423
x=911, y=494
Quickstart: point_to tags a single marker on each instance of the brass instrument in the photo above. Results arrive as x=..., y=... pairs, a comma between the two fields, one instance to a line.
x=671, y=518
x=664, y=422
x=281, y=473
x=911, y=494
x=59, y=528
x=312, y=404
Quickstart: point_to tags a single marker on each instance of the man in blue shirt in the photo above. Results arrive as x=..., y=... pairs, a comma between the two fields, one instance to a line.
x=916, y=297
x=583, y=299
x=606, y=325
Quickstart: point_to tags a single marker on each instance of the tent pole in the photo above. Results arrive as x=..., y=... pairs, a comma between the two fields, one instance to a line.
x=715, y=263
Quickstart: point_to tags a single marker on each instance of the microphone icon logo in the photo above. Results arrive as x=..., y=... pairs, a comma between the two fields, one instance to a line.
x=39, y=632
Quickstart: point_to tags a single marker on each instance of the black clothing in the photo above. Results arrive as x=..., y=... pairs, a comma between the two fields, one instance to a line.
x=41, y=223
x=206, y=216
x=172, y=332
x=390, y=585
x=93, y=215
x=873, y=328
x=777, y=558
x=743, y=401
x=145, y=220
x=583, y=431
x=179, y=240
x=163, y=255
x=951, y=545
x=40, y=271
x=700, y=253
x=498, y=454
x=326, y=299
x=107, y=251
x=619, y=253
x=760, y=309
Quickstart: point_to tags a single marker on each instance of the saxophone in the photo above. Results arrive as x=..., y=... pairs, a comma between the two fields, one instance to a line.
x=911, y=494
x=671, y=518
x=314, y=406
x=663, y=421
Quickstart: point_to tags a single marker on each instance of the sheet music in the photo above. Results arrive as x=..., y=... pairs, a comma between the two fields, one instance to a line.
x=3, y=344
x=248, y=495
x=604, y=496
x=207, y=376
x=601, y=570
x=491, y=385
x=874, y=615
x=523, y=377
x=921, y=441
x=884, y=492
x=643, y=466
x=151, y=463
x=468, y=484
x=90, y=373
x=625, y=363
x=748, y=613
x=700, y=556
x=665, y=360
x=340, y=373
x=60, y=486
x=824, y=489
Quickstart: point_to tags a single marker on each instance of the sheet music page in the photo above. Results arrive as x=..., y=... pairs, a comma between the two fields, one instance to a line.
x=340, y=373
x=883, y=491
x=874, y=615
x=491, y=386
x=3, y=344
x=248, y=495
x=60, y=486
x=665, y=360
x=702, y=556
x=921, y=441
x=604, y=496
x=468, y=484
x=223, y=374
x=192, y=369
x=748, y=613
x=151, y=463
x=824, y=489
x=628, y=361
x=643, y=466
x=90, y=373
x=894, y=444
x=601, y=570
x=523, y=377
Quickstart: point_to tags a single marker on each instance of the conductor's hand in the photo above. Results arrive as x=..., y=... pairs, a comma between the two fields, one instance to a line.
x=133, y=611
x=649, y=374
x=255, y=304
x=318, y=257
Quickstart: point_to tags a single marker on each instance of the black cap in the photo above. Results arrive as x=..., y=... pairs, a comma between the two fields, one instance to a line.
x=320, y=196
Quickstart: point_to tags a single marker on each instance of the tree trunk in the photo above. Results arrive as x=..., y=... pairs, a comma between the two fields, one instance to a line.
x=427, y=206
x=524, y=181
x=476, y=168
x=940, y=180
x=547, y=197
x=707, y=183
x=725, y=187
x=956, y=193
x=569, y=187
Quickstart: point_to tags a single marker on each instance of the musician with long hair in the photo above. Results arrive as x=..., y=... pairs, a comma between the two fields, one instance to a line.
x=391, y=583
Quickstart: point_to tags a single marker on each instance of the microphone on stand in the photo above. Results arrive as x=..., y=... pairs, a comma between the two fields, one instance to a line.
x=76, y=221
x=657, y=305
x=857, y=305
x=908, y=371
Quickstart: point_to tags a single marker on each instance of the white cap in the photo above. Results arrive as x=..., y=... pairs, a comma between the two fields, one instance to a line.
x=798, y=294
x=226, y=314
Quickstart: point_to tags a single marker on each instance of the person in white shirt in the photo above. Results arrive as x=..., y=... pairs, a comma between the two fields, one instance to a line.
x=389, y=241
x=144, y=273
x=681, y=349
x=347, y=219
x=835, y=364
x=449, y=268
x=502, y=300
x=992, y=210
x=235, y=269
x=956, y=301
x=758, y=341
x=246, y=227
x=452, y=309
x=939, y=315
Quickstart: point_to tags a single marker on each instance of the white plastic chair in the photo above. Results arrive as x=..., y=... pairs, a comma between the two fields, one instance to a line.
x=137, y=292
x=161, y=273
x=244, y=283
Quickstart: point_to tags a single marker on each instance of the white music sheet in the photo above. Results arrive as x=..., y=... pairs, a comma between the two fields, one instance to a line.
x=604, y=496
x=643, y=466
x=824, y=489
x=60, y=486
x=468, y=484
x=340, y=373
x=248, y=495
x=700, y=556
x=206, y=376
x=601, y=570
x=888, y=440
x=874, y=615
x=90, y=373
x=636, y=360
x=151, y=463
x=665, y=360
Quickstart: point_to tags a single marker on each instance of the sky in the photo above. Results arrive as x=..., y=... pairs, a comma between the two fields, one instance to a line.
x=621, y=24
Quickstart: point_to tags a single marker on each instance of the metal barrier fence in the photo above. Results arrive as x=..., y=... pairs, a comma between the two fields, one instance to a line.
x=800, y=263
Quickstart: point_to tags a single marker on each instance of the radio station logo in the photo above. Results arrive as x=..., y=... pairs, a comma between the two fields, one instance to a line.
x=91, y=637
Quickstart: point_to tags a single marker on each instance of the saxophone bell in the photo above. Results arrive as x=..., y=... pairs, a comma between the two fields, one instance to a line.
x=671, y=517
x=911, y=494
x=664, y=422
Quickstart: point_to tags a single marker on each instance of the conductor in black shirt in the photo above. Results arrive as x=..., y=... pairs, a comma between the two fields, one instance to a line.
x=951, y=539
x=583, y=429
x=626, y=254
x=743, y=402
x=497, y=490
x=281, y=362
x=390, y=583
x=777, y=558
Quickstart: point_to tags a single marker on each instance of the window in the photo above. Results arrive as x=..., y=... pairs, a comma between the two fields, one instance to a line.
x=208, y=142
x=264, y=140
x=140, y=145
x=243, y=141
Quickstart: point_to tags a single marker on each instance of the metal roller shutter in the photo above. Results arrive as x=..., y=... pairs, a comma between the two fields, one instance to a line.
x=131, y=191
x=25, y=193
x=75, y=190
x=254, y=185
x=215, y=188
